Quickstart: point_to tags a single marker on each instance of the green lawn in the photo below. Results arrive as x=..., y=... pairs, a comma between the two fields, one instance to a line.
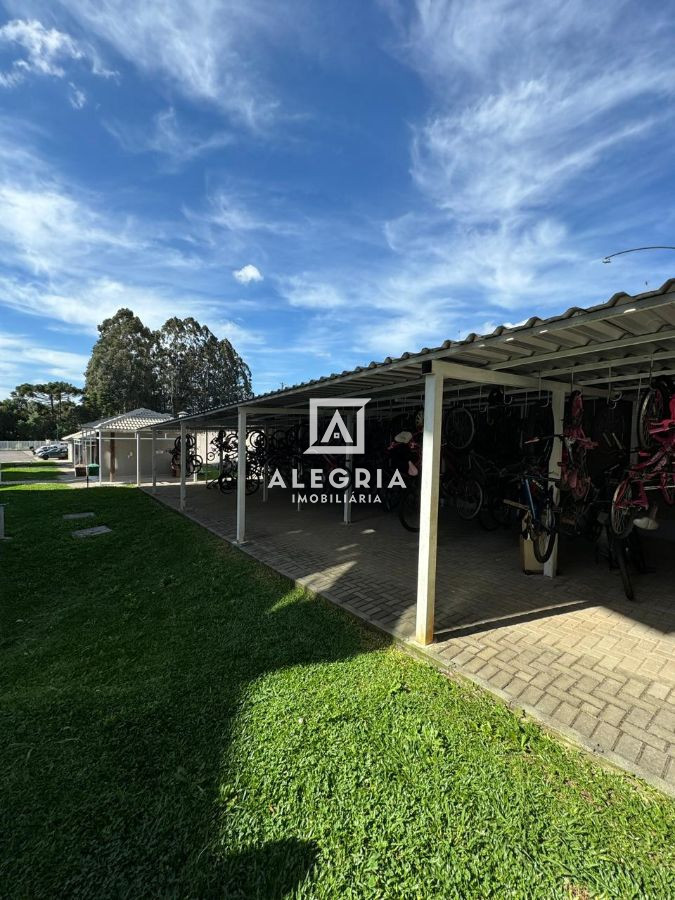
x=30, y=471
x=175, y=721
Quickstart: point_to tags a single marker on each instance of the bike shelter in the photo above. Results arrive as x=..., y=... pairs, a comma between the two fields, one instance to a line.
x=610, y=352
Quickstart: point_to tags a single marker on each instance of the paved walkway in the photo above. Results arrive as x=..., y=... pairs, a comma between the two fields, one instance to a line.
x=16, y=457
x=571, y=651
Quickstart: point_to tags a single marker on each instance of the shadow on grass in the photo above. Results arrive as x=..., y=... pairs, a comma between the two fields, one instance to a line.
x=125, y=661
x=270, y=871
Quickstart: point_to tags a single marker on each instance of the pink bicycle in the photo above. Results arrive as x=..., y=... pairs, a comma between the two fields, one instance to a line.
x=655, y=472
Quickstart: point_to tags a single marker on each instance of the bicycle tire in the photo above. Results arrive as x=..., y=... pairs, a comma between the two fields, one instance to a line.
x=409, y=510
x=653, y=408
x=668, y=488
x=460, y=428
x=487, y=519
x=618, y=555
x=621, y=520
x=469, y=499
x=544, y=538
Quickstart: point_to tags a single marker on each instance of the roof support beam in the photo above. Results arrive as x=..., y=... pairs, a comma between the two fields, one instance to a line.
x=475, y=375
x=253, y=410
x=592, y=347
x=613, y=364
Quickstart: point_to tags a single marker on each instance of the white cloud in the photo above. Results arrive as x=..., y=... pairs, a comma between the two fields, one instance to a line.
x=308, y=292
x=49, y=229
x=168, y=137
x=236, y=215
x=84, y=303
x=46, y=51
x=247, y=274
x=525, y=145
x=207, y=50
x=77, y=97
x=21, y=356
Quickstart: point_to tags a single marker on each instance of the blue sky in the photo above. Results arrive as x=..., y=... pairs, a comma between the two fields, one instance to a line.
x=324, y=183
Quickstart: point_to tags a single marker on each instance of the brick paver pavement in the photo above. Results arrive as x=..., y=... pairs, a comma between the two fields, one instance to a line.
x=571, y=650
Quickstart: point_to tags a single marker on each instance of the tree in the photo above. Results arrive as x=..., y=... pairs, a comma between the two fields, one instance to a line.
x=197, y=371
x=121, y=373
x=38, y=411
x=47, y=409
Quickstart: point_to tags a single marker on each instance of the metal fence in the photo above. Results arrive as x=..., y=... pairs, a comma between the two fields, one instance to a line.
x=21, y=445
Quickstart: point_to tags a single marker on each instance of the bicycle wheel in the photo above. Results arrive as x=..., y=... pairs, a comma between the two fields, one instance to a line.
x=621, y=513
x=668, y=488
x=468, y=499
x=409, y=510
x=459, y=428
x=487, y=516
x=619, y=555
x=544, y=532
x=653, y=409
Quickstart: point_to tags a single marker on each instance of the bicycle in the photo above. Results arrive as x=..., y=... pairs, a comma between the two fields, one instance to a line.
x=656, y=472
x=456, y=484
x=540, y=516
x=657, y=402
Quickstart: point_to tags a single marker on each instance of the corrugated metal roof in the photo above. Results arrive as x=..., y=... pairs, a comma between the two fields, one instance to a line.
x=618, y=342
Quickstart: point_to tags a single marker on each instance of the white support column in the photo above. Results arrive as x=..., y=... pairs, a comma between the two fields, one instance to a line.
x=431, y=465
x=206, y=458
x=183, y=466
x=138, y=459
x=266, y=474
x=100, y=457
x=154, y=461
x=241, y=477
x=554, y=470
x=349, y=465
x=195, y=473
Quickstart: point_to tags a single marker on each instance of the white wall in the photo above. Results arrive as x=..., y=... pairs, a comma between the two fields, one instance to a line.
x=125, y=457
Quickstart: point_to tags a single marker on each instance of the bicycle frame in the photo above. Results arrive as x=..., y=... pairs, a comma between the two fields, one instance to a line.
x=658, y=469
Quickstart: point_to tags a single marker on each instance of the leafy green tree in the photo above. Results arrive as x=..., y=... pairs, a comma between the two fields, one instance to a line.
x=196, y=370
x=121, y=374
x=45, y=410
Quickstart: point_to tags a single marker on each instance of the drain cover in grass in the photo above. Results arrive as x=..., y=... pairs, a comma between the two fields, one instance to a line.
x=87, y=515
x=92, y=532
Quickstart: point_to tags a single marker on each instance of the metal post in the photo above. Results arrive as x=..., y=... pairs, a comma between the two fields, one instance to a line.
x=100, y=457
x=2, y=522
x=554, y=471
x=349, y=464
x=154, y=461
x=183, y=466
x=266, y=473
x=431, y=465
x=241, y=477
x=138, y=459
x=206, y=458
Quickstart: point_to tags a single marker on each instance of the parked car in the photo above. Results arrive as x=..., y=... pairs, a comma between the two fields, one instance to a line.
x=52, y=452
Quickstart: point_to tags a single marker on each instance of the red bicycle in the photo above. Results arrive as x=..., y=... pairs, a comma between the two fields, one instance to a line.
x=574, y=476
x=656, y=472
